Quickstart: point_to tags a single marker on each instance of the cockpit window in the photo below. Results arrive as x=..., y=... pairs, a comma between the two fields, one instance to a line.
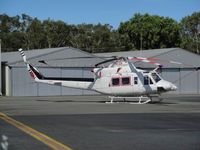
x=155, y=77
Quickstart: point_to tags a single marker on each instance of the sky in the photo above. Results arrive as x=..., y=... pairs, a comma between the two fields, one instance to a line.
x=98, y=11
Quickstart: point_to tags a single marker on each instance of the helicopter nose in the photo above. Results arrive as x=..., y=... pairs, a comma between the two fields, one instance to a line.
x=165, y=86
x=170, y=87
x=173, y=87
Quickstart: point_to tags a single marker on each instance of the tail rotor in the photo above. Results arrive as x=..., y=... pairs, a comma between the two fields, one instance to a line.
x=23, y=55
x=34, y=73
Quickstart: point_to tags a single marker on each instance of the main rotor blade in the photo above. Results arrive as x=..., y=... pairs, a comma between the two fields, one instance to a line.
x=152, y=61
x=73, y=58
x=157, y=61
x=103, y=62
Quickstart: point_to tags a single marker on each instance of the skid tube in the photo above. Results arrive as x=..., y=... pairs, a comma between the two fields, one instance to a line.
x=140, y=99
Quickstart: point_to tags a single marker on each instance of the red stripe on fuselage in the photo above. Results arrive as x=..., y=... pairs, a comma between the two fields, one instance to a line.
x=32, y=74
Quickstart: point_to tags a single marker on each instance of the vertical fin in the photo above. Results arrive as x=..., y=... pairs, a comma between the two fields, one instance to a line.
x=34, y=73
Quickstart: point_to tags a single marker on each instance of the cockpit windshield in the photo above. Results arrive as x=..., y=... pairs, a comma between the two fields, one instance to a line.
x=155, y=77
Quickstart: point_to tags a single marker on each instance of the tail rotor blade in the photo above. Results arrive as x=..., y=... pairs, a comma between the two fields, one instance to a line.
x=23, y=55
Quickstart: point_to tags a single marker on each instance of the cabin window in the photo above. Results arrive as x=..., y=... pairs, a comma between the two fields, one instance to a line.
x=115, y=81
x=135, y=80
x=125, y=80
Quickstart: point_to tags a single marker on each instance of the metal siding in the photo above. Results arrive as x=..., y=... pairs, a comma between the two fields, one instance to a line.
x=71, y=72
x=88, y=74
x=172, y=75
x=45, y=89
x=8, y=81
x=189, y=81
x=22, y=84
x=0, y=71
x=28, y=87
x=198, y=78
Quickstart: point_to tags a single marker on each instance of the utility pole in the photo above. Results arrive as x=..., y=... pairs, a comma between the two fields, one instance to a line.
x=197, y=42
x=141, y=44
x=141, y=40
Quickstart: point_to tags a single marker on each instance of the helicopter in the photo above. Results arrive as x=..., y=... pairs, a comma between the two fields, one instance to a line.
x=120, y=79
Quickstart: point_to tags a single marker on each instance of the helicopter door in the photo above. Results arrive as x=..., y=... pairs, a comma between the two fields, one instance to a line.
x=121, y=85
x=148, y=85
x=147, y=81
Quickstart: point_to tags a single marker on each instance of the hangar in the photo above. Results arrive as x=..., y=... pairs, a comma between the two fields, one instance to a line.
x=16, y=82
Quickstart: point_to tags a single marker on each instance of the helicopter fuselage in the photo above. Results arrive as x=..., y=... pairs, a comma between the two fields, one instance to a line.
x=120, y=81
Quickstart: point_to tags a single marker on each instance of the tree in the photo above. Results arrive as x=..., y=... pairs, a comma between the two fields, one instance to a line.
x=25, y=21
x=140, y=32
x=190, y=32
x=10, y=32
x=95, y=38
x=36, y=35
x=151, y=31
x=49, y=31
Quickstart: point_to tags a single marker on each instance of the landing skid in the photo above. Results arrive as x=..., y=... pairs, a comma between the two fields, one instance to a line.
x=141, y=100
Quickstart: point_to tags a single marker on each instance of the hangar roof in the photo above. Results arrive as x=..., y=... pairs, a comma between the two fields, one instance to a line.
x=55, y=57
x=12, y=57
x=188, y=59
x=60, y=57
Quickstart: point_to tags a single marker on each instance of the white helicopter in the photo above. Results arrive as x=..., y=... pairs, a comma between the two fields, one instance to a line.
x=121, y=79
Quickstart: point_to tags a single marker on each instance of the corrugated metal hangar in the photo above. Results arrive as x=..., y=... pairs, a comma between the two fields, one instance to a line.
x=16, y=82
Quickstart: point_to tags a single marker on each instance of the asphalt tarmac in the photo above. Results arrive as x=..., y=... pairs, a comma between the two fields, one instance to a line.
x=87, y=122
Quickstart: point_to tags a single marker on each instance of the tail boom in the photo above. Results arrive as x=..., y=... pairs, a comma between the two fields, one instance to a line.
x=79, y=83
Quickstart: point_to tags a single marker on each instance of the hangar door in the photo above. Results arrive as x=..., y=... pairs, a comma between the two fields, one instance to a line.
x=186, y=79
